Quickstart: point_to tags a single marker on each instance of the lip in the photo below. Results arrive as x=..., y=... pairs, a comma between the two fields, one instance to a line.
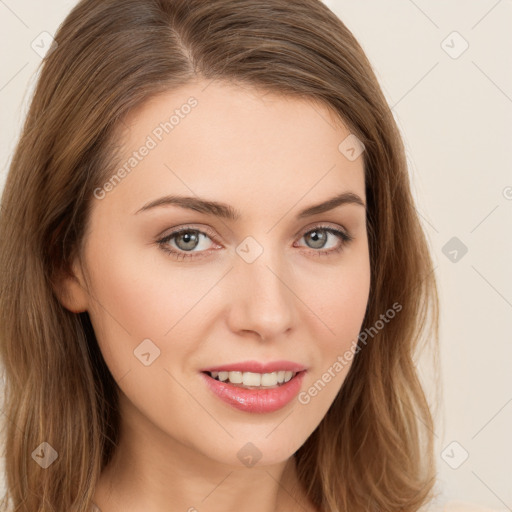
x=257, y=367
x=255, y=400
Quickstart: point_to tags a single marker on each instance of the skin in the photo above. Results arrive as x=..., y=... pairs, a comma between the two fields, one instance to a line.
x=269, y=157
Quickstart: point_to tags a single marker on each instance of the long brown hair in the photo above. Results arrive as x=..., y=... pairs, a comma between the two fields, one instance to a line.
x=373, y=451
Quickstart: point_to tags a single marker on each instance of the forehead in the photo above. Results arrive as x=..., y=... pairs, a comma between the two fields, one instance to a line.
x=218, y=139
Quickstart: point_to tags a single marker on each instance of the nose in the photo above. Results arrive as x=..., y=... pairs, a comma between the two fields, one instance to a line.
x=262, y=299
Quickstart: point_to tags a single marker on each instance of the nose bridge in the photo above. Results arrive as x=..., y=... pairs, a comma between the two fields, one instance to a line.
x=263, y=297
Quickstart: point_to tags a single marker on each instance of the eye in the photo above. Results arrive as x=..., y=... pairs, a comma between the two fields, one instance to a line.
x=186, y=240
x=319, y=236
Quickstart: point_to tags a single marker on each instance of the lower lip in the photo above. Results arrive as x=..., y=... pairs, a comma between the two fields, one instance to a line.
x=256, y=400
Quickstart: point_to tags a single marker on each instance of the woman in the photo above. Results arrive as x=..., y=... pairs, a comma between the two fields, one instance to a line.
x=215, y=281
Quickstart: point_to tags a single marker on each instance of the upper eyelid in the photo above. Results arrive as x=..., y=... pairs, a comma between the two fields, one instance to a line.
x=207, y=231
x=211, y=234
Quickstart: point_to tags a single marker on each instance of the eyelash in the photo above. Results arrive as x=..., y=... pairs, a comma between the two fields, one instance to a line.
x=183, y=255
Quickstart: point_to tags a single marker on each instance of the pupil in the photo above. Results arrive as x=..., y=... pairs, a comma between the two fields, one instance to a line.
x=320, y=237
x=189, y=236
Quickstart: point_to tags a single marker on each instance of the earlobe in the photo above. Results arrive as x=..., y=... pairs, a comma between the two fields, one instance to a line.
x=69, y=286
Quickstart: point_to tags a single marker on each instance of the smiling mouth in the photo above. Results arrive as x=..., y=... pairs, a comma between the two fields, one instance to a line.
x=249, y=380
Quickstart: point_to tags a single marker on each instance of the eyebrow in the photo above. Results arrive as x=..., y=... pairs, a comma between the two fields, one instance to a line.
x=226, y=211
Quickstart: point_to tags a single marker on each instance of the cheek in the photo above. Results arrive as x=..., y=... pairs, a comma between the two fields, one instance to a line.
x=346, y=303
x=340, y=306
x=340, y=297
x=140, y=289
x=140, y=294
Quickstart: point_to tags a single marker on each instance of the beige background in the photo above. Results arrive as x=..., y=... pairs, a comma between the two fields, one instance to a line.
x=454, y=108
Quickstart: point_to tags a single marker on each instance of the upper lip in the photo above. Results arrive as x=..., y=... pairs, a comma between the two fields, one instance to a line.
x=257, y=367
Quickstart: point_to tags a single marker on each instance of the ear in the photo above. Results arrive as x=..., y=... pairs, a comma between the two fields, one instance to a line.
x=70, y=287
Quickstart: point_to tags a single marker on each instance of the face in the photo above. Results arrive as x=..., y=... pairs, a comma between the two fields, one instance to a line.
x=178, y=287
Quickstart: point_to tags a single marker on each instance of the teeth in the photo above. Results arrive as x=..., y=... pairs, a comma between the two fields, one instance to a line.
x=250, y=379
x=236, y=377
